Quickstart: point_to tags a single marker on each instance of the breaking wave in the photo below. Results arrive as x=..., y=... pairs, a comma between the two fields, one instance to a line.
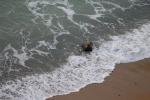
x=82, y=70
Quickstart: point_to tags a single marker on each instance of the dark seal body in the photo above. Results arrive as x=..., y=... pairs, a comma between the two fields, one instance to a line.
x=87, y=47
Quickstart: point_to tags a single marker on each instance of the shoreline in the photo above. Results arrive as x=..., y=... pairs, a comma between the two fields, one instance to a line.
x=128, y=81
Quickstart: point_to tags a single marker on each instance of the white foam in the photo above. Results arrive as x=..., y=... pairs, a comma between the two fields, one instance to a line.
x=36, y=10
x=46, y=44
x=82, y=70
x=115, y=5
x=68, y=11
x=94, y=17
x=22, y=57
x=67, y=8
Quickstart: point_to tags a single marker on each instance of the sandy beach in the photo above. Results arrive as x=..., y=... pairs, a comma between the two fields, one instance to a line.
x=127, y=82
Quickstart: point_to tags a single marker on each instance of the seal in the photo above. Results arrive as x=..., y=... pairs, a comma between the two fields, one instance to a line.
x=87, y=46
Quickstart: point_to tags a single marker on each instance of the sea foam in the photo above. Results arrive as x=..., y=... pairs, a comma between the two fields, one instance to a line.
x=82, y=70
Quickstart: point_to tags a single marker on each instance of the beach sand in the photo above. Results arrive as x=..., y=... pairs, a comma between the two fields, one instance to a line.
x=127, y=82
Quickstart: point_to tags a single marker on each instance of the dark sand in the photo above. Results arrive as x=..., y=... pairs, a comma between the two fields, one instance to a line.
x=127, y=82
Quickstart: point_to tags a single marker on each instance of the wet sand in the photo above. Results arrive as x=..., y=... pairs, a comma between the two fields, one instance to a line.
x=127, y=82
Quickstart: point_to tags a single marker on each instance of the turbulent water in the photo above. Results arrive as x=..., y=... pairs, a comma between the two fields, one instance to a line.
x=40, y=42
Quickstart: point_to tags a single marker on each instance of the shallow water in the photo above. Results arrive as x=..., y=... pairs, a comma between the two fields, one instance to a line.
x=40, y=43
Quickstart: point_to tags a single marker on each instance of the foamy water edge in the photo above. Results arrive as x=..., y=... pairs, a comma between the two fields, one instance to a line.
x=80, y=71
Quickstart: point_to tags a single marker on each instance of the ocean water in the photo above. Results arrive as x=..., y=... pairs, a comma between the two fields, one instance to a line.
x=40, y=53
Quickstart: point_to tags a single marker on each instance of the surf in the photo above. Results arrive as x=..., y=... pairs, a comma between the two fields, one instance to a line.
x=82, y=70
x=40, y=58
